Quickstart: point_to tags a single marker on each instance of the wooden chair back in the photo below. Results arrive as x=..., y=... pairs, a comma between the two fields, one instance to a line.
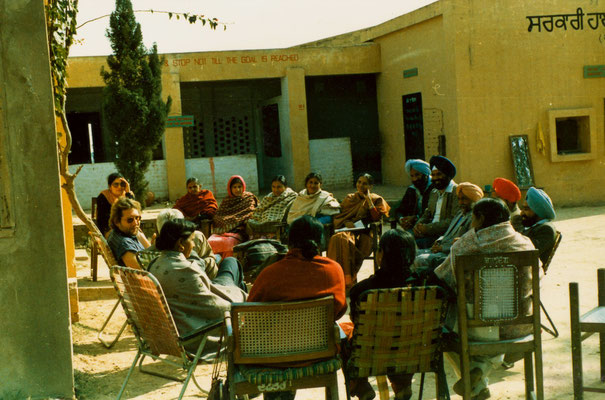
x=558, y=238
x=397, y=331
x=272, y=333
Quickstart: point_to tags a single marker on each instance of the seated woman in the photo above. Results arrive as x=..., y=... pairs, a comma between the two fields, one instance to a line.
x=314, y=201
x=272, y=208
x=229, y=222
x=194, y=299
x=396, y=253
x=349, y=248
x=301, y=274
x=117, y=187
x=198, y=203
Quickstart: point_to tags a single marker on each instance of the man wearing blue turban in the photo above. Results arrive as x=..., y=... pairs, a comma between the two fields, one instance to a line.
x=537, y=212
x=416, y=196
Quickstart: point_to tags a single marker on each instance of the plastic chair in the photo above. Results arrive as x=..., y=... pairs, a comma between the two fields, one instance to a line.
x=145, y=258
x=493, y=291
x=157, y=336
x=583, y=327
x=398, y=331
x=277, y=333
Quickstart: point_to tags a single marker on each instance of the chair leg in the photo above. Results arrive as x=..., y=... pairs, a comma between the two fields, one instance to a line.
x=601, y=294
x=383, y=387
x=576, y=341
x=109, y=344
x=554, y=331
x=528, y=369
x=193, y=366
x=94, y=260
x=332, y=388
x=134, y=363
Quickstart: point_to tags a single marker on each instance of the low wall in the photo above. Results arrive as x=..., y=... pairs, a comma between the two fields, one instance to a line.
x=224, y=167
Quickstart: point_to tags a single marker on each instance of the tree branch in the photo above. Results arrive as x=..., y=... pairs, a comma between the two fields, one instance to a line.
x=213, y=22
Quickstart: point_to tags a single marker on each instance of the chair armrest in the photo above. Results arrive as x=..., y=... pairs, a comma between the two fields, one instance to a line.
x=201, y=330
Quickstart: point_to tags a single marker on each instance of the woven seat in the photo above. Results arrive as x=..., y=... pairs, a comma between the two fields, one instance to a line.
x=151, y=321
x=264, y=336
x=398, y=331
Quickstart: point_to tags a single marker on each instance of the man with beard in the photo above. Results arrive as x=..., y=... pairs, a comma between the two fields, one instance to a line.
x=126, y=237
x=416, y=197
x=442, y=205
x=429, y=259
x=508, y=192
x=537, y=212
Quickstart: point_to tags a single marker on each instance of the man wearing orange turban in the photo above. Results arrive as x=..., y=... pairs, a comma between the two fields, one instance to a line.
x=508, y=192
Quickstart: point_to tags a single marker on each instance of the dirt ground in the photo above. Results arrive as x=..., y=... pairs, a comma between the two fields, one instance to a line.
x=99, y=372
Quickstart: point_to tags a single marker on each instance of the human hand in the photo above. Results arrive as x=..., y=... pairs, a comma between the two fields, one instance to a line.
x=407, y=222
x=349, y=224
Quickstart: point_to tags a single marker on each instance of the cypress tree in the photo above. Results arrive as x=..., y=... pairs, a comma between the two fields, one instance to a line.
x=133, y=110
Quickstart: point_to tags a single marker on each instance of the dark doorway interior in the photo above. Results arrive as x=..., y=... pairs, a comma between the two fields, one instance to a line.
x=413, y=126
x=84, y=127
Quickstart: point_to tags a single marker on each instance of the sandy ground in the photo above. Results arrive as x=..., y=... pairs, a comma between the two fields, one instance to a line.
x=99, y=372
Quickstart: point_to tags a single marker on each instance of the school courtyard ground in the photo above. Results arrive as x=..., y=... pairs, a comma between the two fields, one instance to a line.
x=99, y=372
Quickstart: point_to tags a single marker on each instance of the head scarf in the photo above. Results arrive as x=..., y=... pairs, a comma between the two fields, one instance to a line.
x=444, y=165
x=470, y=190
x=419, y=165
x=234, y=210
x=540, y=203
x=506, y=190
x=192, y=205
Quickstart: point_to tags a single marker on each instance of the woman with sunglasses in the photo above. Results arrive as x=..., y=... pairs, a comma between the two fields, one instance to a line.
x=118, y=187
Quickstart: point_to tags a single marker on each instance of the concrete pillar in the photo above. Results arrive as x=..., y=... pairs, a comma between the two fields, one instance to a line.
x=296, y=143
x=174, y=145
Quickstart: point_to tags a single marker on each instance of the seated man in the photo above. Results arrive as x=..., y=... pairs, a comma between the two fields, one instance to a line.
x=126, y=237
x=537, y=213
x=416, y=197
x=442, y=205
x=490, y=232
x=508, y=192
x=429, y=259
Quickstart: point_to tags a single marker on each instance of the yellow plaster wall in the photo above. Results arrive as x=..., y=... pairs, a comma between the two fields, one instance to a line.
x=174, y=146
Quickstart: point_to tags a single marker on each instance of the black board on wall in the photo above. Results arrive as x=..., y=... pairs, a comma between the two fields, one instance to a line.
x=413, y=125
x=524, y=172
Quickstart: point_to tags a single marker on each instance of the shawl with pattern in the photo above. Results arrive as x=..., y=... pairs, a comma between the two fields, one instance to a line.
x=234, y=210
x=192, y=205
x=355, y=207
x=320, y=202
x=273, y=208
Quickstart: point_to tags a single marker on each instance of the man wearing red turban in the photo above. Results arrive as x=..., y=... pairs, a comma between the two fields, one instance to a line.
x=508, y=192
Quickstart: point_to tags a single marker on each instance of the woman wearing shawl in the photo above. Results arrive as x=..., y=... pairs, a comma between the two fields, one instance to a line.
x=198, y=203
x=314, y=201
x=229, y=222
x=349, y=248
x=117, y=187
x=272, y=208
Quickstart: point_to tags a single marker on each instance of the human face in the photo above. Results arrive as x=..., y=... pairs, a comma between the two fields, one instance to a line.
x=186, y=246
x=193, y=188
x=313, y=186
x=363, y=185
x=118, y=187
x=237, y=189
x=440, y=180
x=277, y=188
x=464, y=202
x=419, y=180
x=130, y=221
x=477, y=222
x=528, y=217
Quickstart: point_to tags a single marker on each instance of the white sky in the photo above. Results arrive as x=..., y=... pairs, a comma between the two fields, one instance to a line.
x=251, y=24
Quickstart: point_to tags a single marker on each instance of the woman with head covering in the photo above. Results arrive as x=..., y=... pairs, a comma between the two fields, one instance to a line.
x=350, y=247
x=198, y=203
x=272, y=208
x=229, y=222
x=117, y=187
x=314, y=201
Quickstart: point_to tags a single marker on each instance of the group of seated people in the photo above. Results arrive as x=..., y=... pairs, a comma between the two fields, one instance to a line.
x=438, y=220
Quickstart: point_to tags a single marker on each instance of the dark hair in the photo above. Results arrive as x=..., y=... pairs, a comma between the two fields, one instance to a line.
x=398, y=250
x=313, y=175
x=192, y=180
x=493, y=211
x=281, y=179
x=172, y=231
x=234, y=181
x=306, y=234
x=118, y=208
x=113, y=176
x=369, y=177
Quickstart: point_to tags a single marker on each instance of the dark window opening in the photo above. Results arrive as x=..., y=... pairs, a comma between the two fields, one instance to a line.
x=568, y=136
x=271, y=132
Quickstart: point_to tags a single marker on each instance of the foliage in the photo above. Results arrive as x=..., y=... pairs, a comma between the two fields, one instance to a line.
x=213, y=23
x=133, y=110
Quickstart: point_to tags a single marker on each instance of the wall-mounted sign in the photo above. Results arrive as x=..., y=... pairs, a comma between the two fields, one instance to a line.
x=175, y=121
x=408, y=73
x=594, y=71
x=562, y=21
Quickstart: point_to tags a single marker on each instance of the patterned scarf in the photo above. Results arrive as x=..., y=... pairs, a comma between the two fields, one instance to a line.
x=273, y=208
x=234, y=210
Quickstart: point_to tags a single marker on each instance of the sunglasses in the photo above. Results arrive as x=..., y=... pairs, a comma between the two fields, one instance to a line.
x=130, y=220
x=118, y=184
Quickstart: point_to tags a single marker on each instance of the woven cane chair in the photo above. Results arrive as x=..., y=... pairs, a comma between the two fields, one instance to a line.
x=398, y=331
x=145, y=258
x=582, y=327
x=277, y=333
x=157, y=336
x=491, y=284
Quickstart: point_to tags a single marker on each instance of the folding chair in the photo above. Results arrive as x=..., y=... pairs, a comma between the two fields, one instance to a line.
x=398, y=331
x=277, y=333
x=553, y=328
x=496, y=299
x=145, y=258
x=157, y=336
x=582, y=327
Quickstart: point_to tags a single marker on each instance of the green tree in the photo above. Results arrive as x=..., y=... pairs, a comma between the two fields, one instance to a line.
x=133, y=110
